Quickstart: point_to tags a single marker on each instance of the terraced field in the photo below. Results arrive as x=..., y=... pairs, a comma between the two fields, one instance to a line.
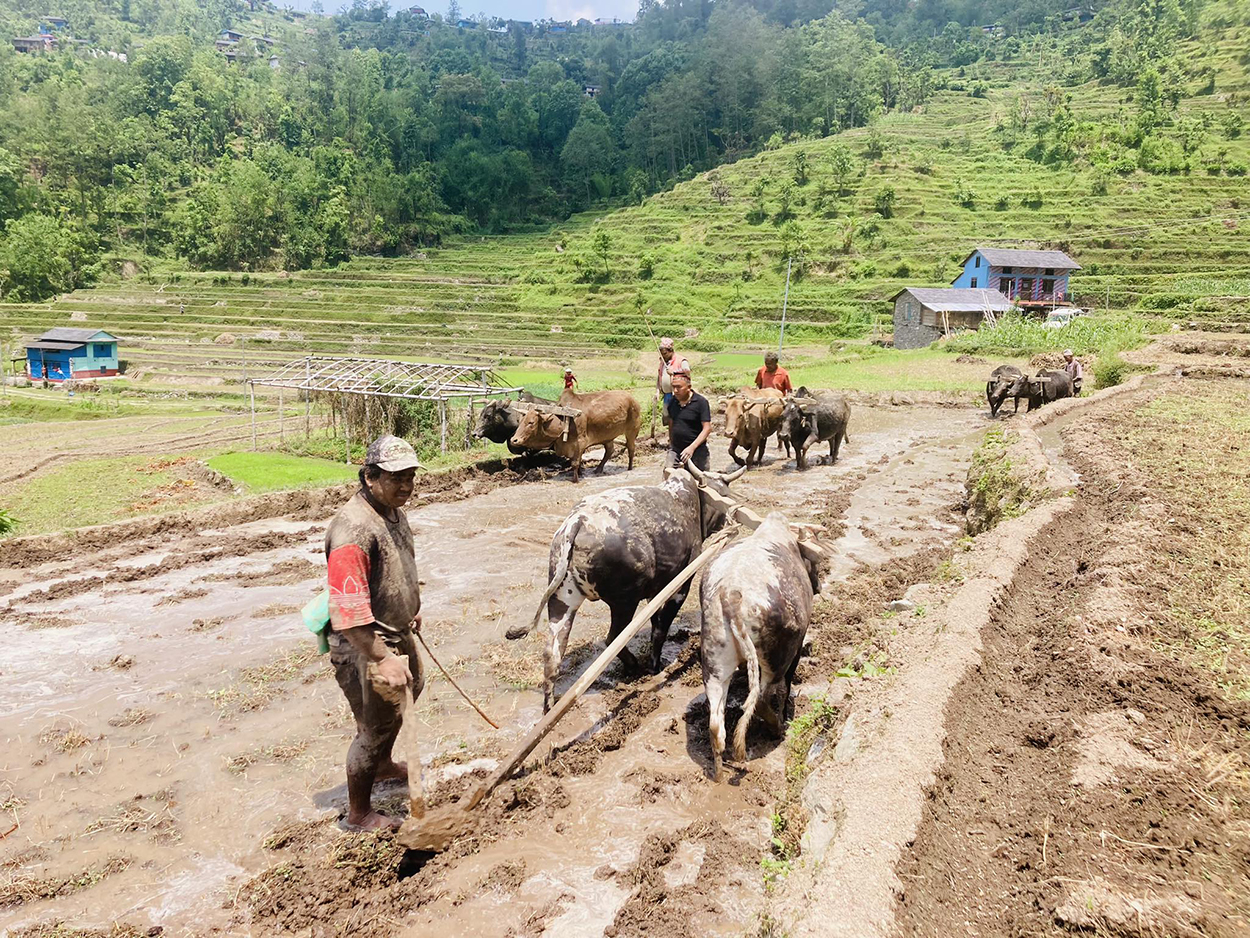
x=1171, y=245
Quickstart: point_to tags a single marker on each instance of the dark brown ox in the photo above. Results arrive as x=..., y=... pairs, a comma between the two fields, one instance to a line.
x=605, y=415
x=751, y=417
x=757, y=603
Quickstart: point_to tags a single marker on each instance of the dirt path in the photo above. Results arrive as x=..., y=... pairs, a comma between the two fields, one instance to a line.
x=164, y=717
x=1096, y=761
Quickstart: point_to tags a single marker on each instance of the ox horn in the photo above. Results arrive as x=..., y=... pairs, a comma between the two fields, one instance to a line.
x=695, y=471
x=735, y=475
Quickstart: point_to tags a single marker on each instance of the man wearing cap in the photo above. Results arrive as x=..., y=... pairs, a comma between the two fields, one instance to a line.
x=773, y=375
x=1072, y=366
x=570, y=379
x=375, y=604
x=670, y=362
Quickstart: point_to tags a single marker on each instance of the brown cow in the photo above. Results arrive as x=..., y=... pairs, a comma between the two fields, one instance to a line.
x=605, y=416
x=751, y=417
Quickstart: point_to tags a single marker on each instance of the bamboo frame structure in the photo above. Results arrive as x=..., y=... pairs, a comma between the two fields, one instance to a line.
x=375, y=377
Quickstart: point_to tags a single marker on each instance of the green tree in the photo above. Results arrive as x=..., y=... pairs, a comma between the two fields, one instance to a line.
x=39, y=258
x=588, y=150
x=842, y=166
x=602, y=242
x=884, y=201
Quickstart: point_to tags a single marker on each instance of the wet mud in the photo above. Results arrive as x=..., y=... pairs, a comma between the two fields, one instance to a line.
x=234, y=717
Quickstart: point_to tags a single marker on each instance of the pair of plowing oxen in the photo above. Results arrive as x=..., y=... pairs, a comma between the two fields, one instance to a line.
x=752, y=416
x=625, y=545
x=1008, y=381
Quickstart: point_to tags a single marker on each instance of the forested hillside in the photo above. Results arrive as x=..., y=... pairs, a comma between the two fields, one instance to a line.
x=378, y=132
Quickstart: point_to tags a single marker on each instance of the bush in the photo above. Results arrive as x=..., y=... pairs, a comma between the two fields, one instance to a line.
x=964, y=195
x=1160, y=156
x=1236, y=169
x=1110, y=369
x=646, y=267
x=1017, y=335
x=7, y=522
x=884, y=201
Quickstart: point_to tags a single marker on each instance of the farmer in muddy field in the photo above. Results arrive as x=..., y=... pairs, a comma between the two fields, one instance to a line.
x=1072, y=366
x=772, y=375
x=375, y=605
x=690, y=424
x=670, y=362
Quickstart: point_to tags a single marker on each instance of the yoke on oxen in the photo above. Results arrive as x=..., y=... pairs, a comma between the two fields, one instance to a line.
x=554, y=410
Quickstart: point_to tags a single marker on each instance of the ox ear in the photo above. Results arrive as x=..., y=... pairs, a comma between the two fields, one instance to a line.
x=553, y=425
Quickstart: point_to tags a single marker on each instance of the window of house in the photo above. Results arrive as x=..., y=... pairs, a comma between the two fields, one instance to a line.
x=1048, y=286
x=978, y=263
x=1050, y=272
x=1026, y=287
x=974, y=281
x=1008, y=270
x=1004, y=287
x=102, y=350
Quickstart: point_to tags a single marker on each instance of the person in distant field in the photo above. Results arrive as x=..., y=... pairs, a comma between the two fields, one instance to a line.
x=773, y=375
x=670, y=362
x=690, y=424
x=570, y=379
x=1072, y=366
x=375, y=606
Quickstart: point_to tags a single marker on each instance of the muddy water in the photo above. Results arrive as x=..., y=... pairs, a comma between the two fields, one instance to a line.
x=190, y=792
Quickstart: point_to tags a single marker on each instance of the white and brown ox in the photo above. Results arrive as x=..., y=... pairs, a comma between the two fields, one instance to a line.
x=499, y=420
x=751, y=417
x=605, y=415
x=757, y=602
x=624, y=546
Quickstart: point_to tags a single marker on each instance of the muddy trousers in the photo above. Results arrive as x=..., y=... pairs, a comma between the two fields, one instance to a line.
x=377, y=719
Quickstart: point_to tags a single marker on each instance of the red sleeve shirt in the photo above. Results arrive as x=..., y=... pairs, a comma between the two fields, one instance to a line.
x=348, y=574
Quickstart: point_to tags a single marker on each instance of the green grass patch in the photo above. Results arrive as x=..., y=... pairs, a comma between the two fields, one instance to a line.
x=996, y=491
x=96, y=491
x=274, y=472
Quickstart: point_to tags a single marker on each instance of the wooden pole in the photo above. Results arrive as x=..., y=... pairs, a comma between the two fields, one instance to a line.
x=243, y=346
x=347, y=433
x=281, y=418
x=591, y=674
x=307, y=397
x=251, y=388
x=442, y=419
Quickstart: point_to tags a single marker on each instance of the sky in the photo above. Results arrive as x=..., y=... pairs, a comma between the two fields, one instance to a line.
x=508, y=9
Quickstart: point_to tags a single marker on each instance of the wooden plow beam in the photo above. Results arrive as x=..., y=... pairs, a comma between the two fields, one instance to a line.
x=555, y=410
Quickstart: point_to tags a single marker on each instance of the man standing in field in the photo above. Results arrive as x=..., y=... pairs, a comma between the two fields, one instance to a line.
x=570, y=379
x=375, y=605
x=1072, y=366
x=670, y=362
x=773, y=375
x=690, y=424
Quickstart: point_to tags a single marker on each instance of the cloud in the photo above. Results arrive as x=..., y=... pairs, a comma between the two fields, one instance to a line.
x=582, y=9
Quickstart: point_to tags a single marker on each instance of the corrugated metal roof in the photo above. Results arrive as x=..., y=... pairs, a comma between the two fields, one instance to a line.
x=1010, y=257
x=956, y=300
x=55, y=346
x=68, y=334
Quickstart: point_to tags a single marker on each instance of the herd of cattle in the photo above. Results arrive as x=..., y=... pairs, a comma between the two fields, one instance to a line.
x=624, y=545
x=752, y=416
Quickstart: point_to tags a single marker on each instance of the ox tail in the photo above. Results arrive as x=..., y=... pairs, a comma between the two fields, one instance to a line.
x=747, y=648
x=562, y=570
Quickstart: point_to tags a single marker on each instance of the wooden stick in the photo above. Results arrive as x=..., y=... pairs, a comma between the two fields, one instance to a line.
x=591, y=674
x=452, y=681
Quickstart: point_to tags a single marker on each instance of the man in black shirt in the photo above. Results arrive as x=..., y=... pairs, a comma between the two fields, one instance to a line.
x=690, y=423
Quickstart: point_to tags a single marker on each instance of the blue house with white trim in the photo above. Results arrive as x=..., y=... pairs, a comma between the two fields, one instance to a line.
x=63, y=354
x=1030, y=278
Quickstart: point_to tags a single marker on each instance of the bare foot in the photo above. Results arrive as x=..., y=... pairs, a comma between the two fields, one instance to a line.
x=392, y=771
x=371, y=822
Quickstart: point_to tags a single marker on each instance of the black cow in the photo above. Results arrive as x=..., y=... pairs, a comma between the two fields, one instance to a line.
x=623, y=546
x=499, y=421
x=757, y=603
x=1003, y=383
x=1047, y=387
x=816, y=417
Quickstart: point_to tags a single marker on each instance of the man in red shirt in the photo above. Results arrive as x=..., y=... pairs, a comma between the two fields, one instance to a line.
x=570, y=379
x=375, y=605
x=773, y=375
